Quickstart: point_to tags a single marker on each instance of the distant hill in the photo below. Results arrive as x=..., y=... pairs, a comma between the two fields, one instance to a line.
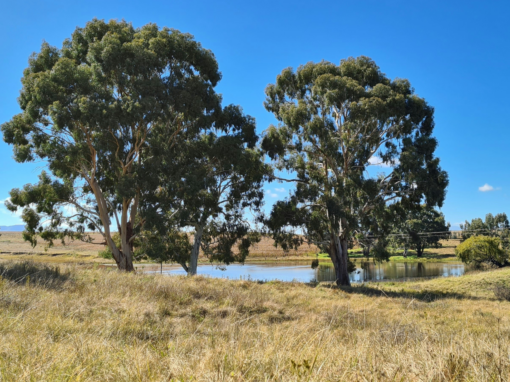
x=12, y=228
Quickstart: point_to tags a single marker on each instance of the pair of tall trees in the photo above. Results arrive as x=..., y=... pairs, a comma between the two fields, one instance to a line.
x=133, y=131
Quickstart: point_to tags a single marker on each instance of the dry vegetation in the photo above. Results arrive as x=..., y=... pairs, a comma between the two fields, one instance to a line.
x=98, y=325
x=13, y=247
x=265, y=250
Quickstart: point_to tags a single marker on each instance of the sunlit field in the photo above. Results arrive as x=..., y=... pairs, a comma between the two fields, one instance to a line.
x=72, y=323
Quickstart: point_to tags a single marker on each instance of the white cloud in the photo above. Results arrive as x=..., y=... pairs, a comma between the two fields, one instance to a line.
x=280, y=189
x=485, y=188
x=268, y=192
x=377, y=161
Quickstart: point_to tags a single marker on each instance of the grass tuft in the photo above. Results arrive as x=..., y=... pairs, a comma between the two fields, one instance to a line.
x=34, y=274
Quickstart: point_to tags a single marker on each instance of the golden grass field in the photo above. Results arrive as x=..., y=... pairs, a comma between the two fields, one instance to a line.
x=13, y=247
x=87, y=324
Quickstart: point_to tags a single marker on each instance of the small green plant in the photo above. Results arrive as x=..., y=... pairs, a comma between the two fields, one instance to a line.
x=105, y=254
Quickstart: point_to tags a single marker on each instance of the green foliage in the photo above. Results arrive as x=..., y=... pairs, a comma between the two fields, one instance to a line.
x=334, y=121
x=420, y=229
x=482, y=249
x=172, y=246
x=493, y=226
x=205, y=184
x=89, y=109
x=380, y=251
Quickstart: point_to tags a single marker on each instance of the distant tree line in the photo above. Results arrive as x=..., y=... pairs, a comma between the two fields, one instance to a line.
x=135, y=137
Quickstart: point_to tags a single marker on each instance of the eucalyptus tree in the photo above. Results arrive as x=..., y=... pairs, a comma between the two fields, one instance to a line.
x=205, y=187
x=334, y=121
x=88, y=111
x=419, y=229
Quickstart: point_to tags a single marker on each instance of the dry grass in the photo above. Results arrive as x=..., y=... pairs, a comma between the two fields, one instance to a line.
x=265, y=250
x=99, y=325
x=13, y=247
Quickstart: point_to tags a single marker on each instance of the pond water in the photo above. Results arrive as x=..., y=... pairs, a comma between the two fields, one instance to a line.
x=365, y=271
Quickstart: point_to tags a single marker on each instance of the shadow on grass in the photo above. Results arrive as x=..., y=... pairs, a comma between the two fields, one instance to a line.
x=420, y=295
x=27, y=272
x=425, y=296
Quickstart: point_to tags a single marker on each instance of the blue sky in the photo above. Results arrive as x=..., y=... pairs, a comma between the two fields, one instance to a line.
x=455, y=53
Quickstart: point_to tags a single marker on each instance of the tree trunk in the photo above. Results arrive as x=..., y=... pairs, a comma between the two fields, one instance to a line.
x=125, y=263
x=193, y=261
x=124, y=256
x=419, y=250
x=339, y=256
x=366, y=251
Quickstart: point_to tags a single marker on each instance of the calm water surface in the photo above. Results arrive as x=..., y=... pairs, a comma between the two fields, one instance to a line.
x=366, y=271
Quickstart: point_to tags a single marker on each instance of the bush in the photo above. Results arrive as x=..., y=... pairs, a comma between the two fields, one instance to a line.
x=482, y=249
x=106, y=253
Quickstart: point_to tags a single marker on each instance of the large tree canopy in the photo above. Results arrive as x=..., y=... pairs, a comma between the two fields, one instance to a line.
x=205, y=185
x=335, y=120
x=89, y=109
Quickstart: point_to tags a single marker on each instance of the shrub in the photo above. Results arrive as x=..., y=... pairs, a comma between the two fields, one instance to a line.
x=106, y=253
x=482, y=249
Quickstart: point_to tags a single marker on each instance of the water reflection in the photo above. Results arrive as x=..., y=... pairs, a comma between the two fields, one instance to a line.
x=365, y=271
x=368, y=271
